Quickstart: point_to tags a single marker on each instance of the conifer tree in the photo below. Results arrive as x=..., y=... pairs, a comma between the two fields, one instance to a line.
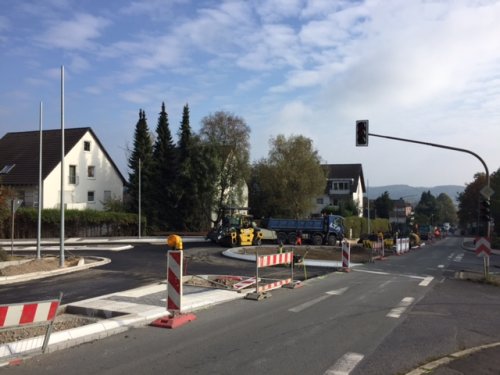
x=141, y=162
x=195, y=179
x=164, y=155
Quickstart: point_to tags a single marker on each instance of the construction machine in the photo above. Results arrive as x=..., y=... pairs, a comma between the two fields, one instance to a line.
x=236, y=230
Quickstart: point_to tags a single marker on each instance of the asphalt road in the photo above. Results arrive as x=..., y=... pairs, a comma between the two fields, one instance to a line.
x=385, y=318
x=141, y=265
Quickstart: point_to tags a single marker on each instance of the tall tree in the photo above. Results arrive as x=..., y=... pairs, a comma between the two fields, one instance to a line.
x=468, y=202
x=427, y=209
x=164, y=157
x=446, y=211
x=289, y=179
x=495, y=200
x=195, y=179
x=141, y=160
x=383, y=206
x=228, y=137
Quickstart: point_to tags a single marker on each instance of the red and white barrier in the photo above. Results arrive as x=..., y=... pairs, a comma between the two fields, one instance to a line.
x=275, y=285
x=174, y=293
x=346, y=256
x=269, y=261
x=274, y=259
x=174, y=280
x=402, y=245
x=378, y=249
x=30, y=313
x=40, y=313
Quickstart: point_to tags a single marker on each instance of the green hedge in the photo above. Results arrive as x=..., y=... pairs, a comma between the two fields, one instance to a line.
x=359, y=226
x=77, y=223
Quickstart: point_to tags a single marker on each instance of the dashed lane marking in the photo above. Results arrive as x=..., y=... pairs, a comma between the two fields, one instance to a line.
x=313, y=302
x=401, y=308
x=426, y=281
x=345, y=364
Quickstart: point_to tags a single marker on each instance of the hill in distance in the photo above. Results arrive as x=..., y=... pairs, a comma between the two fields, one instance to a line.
x=412, y=194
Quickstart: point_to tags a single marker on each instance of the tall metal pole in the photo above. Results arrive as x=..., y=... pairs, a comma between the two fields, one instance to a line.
x=368, y=206
x=61, y=239
x=140, y=164
x=40, y=190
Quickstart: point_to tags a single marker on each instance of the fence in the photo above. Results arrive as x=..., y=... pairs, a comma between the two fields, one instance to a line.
x=378, y=249
x=264, y=283
x=23, y=315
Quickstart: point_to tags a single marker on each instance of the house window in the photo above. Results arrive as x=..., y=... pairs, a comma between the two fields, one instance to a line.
x=72, y=175
x=91, y=171
x=90, y=196
x=319, y=201
x=107, y=195
x=86, y=145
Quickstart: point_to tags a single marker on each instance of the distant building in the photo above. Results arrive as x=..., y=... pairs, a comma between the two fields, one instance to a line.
x=90, y=176
x=400, y=212
x=344, y=182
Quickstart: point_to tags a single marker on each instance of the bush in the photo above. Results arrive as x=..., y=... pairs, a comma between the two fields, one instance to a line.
x=77, y=223
x=359, y=226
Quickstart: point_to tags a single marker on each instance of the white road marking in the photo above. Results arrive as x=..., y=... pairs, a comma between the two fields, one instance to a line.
x=337, y=292
x=401, y=308
x=458, y=258
x=375, y=272
x=345, y=364
x=441, y=266
x=426, y=281
x=306, y=305
x=310, y=303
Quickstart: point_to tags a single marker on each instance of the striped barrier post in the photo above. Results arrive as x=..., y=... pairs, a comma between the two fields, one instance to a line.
x=174, y=281
x=264, y=261
x=174, y=293
x=38, y=313
x=346, y=256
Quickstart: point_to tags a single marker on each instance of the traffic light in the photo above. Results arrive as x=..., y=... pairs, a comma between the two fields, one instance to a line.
x=485, y=210
x=362, y=133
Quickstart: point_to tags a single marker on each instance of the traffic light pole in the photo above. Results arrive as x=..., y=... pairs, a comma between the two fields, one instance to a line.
x=488, y=229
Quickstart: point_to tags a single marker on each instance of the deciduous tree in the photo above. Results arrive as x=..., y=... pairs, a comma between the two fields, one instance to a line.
x=228, y=138
x=289, y=179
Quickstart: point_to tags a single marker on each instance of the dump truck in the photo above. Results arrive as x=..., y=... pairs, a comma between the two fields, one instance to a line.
x=326, y=230
x=236, y=230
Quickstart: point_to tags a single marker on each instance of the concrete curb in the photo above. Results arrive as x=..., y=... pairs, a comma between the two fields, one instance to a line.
x=99, y=261
x=424, y=369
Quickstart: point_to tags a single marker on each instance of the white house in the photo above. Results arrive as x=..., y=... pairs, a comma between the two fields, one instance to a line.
x=343, y=182
x=90, y=176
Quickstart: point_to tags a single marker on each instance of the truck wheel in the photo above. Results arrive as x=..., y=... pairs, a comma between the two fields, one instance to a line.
x=332, y=240
x=317, y=239
x=282, y=238
x=292, y=237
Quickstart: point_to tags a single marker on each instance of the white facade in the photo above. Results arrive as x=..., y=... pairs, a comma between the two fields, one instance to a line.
x=340, y=190
x=89, y=178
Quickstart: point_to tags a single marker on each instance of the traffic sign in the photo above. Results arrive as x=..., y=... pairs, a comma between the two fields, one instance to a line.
x=483, y=247
x=486, y=192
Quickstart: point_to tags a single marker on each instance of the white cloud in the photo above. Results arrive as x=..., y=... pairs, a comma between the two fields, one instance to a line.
x=76, y=34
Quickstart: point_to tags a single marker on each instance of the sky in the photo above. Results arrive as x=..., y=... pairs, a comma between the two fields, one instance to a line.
x=427, y=70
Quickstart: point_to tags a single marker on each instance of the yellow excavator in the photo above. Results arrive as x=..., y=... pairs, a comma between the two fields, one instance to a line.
x=236, y=230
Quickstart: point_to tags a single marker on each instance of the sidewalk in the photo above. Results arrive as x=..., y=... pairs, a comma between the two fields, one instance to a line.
x=120, y=311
